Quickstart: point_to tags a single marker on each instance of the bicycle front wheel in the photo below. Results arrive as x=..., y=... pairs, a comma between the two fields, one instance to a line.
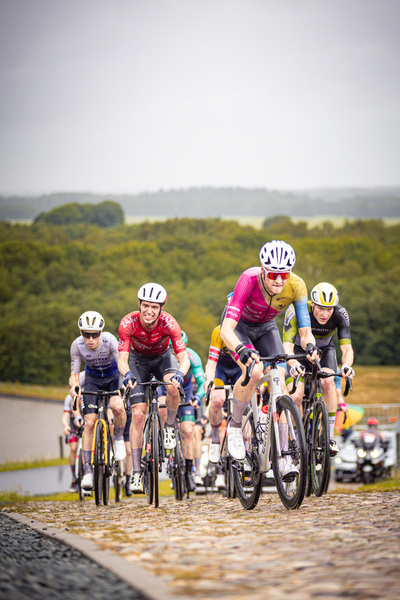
x=320, y=450
x=290, y=486
x=155, y=459
x=247, y=476
x=99, y=464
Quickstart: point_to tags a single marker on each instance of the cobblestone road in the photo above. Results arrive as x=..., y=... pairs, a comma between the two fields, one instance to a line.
x=338, y=546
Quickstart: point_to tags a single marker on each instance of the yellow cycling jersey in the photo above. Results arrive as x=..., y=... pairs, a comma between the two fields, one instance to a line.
x=216, y=345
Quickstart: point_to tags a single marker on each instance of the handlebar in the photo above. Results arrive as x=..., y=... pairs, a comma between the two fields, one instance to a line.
x=275, y=358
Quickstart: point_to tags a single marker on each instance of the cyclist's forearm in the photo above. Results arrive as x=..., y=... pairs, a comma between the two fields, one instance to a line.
x=347, y=355
x=74, y=380
x=289, y=349
x=228, y=334
x=306, y=337
x=123, y=363
x=184, y=362
x=210, y=369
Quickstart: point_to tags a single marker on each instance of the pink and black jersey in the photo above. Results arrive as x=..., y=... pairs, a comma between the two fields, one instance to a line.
x=252, y=303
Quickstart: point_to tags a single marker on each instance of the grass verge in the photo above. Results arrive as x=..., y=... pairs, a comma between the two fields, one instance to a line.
x=32, y=390
x=37, y=464
x=15, y=496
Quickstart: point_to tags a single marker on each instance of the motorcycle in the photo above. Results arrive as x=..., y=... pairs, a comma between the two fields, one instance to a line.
x=371, y=454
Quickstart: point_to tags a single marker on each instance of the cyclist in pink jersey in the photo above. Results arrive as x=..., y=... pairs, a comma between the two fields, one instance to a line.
x=144, y=351
x=249, y=331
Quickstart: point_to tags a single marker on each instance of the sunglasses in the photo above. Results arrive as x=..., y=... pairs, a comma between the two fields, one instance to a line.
x=91, y=334
x=273, y=276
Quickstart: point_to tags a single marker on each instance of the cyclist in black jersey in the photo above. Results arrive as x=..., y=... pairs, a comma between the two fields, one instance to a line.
x=327, y=316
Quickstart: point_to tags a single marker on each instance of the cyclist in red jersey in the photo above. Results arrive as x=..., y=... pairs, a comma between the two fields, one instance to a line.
x=249, y=331
x=144, y=351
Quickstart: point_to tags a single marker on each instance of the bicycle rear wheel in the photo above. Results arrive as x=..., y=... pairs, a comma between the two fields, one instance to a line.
x=80, y=474
x=320, y=450
x=178, y=468
x=290, y=492
x=98, y=464
x=247, y=476
x=230, y=479
x=308, y=436
x=117, y=480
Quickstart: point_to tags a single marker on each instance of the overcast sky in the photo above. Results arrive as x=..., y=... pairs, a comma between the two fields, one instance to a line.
x=123, y=96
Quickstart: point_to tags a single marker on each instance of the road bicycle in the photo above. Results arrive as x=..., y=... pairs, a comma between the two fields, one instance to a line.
x=154, y=452
x=267, y=446
x=102, y=455
x=316, y=428
x=226, y=462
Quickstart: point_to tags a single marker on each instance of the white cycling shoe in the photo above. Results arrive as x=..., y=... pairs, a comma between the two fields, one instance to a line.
x=235, y=443
x=169, y=438
x=215, y=452
x=287, y=469
x=119, y=450
x=220, y=481
x=198, y=480
x=136, y=483
x=87, y=481
x=333, y=447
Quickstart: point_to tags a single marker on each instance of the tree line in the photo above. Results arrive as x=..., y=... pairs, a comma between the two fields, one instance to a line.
x=50, y=274
x=217, y=202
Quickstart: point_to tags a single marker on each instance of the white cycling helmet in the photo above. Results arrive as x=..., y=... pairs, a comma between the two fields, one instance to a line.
x=277, y=256
x=91, y=321
x=152, y=292
x=324, y=294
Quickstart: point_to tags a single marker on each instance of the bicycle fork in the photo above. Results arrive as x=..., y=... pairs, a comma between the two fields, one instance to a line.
x=96, y=424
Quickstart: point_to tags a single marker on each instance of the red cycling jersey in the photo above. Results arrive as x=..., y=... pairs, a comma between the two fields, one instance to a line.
x=149, y=342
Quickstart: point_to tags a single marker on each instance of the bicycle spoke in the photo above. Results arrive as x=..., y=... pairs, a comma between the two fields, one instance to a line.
x=290, y=486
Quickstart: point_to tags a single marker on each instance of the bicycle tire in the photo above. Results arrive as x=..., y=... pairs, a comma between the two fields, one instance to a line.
x=117, y=479
x=178, y=468
x=247, y=483
x=98, y=464
x=107, y=472
x=320, y=450
x=230, y=480
x=308, y=436
x=80, y=475
x=291, y=493
x=155, y=448
x=148, y=465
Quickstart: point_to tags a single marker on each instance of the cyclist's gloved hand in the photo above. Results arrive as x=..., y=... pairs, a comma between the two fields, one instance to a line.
x=347, y=371
x=196, y=400
x=310, y=349
x=244, y=353
x=78, y=421
x=129, y=378
x=179, y=377
x=297, y=368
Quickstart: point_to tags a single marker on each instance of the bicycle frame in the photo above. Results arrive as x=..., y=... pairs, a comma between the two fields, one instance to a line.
x=263, y=430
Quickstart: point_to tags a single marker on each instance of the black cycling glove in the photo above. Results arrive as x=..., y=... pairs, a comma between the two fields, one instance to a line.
x=244, y=353
x=310, y=349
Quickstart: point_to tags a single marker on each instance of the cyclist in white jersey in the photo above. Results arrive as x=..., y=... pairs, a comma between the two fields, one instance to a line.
x=100, y=353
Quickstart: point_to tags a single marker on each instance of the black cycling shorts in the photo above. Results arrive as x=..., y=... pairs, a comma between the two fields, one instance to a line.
x=94, y=384
x=264, y=338
x=143, y=367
